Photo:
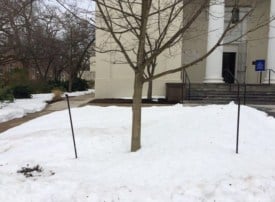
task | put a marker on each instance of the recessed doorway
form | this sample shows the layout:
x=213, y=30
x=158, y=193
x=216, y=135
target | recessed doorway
x=229, y=66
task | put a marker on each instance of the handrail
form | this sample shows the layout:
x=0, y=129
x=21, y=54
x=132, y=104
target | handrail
x=184, y=79
x=239, y=108
x=236, y=80
x=238, y=84
x=269, y=70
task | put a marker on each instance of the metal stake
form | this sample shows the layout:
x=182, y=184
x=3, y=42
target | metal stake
x=238, y=126
x=67, y=98
x=269, y=76
x=261, y=77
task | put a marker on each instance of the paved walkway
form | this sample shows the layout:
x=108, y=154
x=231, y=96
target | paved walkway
x=82, y=100
x=77, y=101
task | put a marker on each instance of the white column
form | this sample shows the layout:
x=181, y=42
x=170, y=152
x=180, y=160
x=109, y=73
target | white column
x=213, y=72
x=270, y=64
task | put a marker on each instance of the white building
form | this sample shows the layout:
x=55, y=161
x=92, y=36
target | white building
x=114, y=79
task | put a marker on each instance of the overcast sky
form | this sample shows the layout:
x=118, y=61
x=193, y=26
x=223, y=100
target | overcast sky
x=84, y=5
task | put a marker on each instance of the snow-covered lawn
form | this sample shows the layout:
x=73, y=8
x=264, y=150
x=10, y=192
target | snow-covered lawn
x=21, y=107
x=187, y=155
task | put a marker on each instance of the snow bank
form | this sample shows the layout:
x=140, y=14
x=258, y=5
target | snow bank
x=20, y=107
x=188, y=154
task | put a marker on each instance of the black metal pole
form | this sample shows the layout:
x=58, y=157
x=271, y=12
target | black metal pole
x=244, y=97
x=238, y=126
x=260, y=77
x=269, y=76
x=67, y=98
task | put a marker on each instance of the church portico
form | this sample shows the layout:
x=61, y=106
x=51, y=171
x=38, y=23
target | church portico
x=236, y=53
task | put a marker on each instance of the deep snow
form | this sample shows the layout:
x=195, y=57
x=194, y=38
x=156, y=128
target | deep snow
x=187, y=154
x=21, y=107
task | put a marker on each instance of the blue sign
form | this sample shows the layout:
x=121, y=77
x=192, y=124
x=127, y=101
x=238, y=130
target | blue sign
x=260, y=65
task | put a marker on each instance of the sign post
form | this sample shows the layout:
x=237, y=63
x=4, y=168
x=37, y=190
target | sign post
x=259, y=67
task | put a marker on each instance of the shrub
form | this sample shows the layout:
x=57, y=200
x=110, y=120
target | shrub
x=57, y=94
x=91, y=84
x=6, y=94
x=54, y=84
x=17, y=77
x=2, y=80
x=78, y=85
x=37, y=86
x=21, y=91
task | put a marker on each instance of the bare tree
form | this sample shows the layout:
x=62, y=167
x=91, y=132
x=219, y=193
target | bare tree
x=29, y=36
x=13, y=15
x=44, y=39
x=79, y=37
x=154, y=27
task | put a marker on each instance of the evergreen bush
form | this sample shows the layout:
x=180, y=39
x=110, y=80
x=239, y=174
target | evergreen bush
x=55, y=84
x=6, y=94
x=78, y=85
x=21, y=91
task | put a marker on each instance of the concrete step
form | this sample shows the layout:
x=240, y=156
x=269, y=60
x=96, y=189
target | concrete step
x=222, y=93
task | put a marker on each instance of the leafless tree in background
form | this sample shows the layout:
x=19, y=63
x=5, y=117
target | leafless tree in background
x=79, y=37
x=41, y=38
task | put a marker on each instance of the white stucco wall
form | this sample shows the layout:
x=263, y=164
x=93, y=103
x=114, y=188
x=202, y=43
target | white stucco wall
x=114, y=78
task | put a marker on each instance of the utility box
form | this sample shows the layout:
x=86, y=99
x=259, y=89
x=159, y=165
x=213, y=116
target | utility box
x=175, y=92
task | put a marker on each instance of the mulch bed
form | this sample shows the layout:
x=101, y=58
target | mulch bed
x=160, y=101
x=54, y=100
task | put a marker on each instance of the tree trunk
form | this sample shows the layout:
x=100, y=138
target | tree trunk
x=70, y=83
x=136, y=112
x=150, y=90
